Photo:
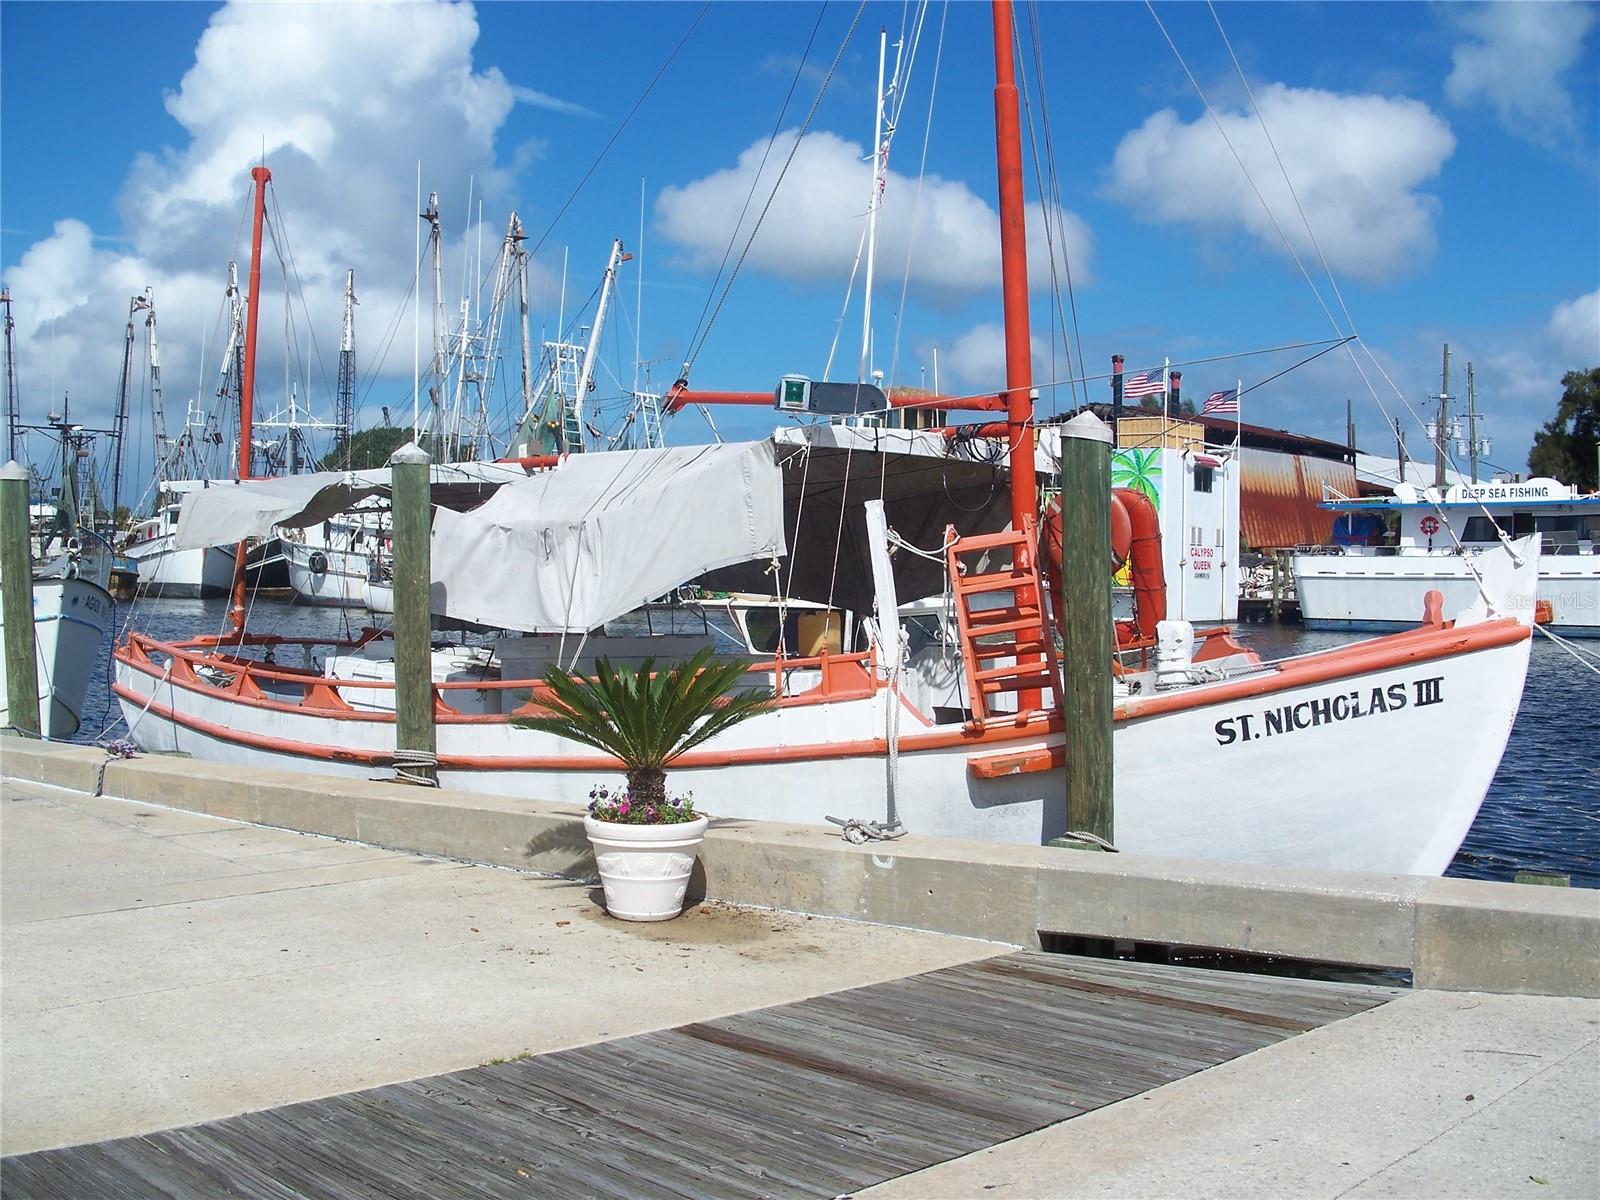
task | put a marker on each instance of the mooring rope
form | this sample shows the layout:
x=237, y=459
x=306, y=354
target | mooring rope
x=408, y=762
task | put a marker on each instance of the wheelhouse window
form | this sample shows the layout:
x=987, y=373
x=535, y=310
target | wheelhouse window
x=1202, y=477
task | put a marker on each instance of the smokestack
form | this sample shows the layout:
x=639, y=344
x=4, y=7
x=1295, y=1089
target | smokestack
x=1116, y=386
x=1176, y=383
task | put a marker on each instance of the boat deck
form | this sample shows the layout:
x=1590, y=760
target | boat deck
x=815, y=1098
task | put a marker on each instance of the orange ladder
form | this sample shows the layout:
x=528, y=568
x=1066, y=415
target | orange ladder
x=1015, y=629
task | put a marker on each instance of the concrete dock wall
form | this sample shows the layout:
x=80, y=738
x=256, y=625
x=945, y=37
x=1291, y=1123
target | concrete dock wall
x=1452, y=934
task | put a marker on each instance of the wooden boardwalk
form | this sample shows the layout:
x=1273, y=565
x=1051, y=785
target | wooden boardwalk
x=816, y=1098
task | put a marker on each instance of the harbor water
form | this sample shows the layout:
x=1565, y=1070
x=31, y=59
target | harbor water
x=1542, y=812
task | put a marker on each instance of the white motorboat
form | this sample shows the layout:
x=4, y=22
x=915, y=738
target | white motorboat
x=1374, y=579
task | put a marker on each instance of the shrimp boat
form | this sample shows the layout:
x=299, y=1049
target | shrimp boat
x=1311, y=761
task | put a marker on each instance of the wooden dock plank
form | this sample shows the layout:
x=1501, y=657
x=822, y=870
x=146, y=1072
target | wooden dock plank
x=812, y=1099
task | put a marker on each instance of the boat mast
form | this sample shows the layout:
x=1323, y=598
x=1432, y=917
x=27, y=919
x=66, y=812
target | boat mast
x=436, y=389
x=522, y=312
x=880, y=164
x=347, y=372
x=586, y=371
x=247, y=378
x=1014, y=273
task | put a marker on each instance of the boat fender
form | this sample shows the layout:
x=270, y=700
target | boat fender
x=318, y=562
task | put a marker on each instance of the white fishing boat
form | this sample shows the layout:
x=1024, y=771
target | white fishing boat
x=1374, y=579
x=1327, y=741
x=72, y=605
x=329, y=564
x=71, y=610
x=71, y=566
x=166, y=570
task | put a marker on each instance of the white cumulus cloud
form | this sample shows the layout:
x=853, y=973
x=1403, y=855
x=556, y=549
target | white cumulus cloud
x=1514, y=61
x=1575, y=331
x=974, y=362
x=816, y=221
x=1357, y=163
x=342, y=101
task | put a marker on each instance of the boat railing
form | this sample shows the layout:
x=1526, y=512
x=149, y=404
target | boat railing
x=208, y=663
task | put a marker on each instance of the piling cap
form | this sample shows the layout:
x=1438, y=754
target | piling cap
x=1088, y=427
x=409, y=453
x=13, y=470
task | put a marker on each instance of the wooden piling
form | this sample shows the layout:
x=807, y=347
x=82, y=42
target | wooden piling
x=16, y=580
x=413, y=643
x=1086, y=602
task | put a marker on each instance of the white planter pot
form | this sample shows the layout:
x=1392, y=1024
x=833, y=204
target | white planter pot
x=645, y=868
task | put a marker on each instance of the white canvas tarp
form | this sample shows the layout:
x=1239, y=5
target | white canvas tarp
x=226, y=511
x=570, y=549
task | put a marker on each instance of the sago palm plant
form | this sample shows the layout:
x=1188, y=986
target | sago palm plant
x=646, y=717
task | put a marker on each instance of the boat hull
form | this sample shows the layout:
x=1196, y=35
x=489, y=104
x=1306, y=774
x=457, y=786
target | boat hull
x=166, y=572
x=1234, y=771
x=70, y=617
x=1381, y=592
x=326, y=577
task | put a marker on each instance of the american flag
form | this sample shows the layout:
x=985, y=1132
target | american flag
x=1135, y=386
x=1221, y=402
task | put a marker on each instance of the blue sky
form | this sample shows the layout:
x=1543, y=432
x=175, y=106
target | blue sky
x=1445, y=157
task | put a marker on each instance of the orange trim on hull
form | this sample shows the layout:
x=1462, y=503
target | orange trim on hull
x=1028, y=762
x=1399, y=650
x=953, y=737
x=1402, y=649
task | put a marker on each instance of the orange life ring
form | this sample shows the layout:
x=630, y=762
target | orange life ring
x=1429, y=525
x=1136, y=540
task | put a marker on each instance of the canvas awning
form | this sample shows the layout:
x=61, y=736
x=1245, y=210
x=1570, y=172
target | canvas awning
x=228, y=511
x=831, y=471
x=570, y=549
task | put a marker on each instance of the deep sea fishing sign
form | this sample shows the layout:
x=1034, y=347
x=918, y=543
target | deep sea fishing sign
x=1352, y=705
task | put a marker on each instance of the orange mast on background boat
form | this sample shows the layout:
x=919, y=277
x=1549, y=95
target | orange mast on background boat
x=247, y=378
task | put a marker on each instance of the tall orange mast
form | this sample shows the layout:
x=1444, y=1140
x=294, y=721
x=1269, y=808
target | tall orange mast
x=247, y=380
x=1014, y=273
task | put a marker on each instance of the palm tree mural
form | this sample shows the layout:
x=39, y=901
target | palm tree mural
x=1139, y=469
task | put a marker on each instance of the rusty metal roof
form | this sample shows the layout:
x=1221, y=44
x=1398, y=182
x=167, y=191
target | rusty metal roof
x=1279, y=494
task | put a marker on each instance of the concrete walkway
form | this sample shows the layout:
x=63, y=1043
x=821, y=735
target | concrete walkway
x=162, y=968
x=1437, y=1094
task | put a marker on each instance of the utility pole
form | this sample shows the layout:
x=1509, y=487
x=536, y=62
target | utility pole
x=1441, y=429
x=1472, y=423
x=12, y=417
